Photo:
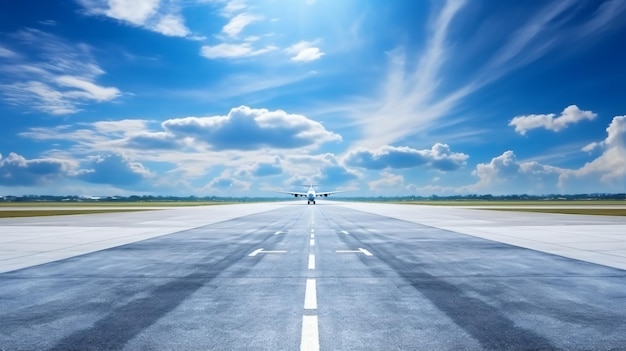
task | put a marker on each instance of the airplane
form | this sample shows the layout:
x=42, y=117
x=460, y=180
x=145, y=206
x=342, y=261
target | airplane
x=310, y=194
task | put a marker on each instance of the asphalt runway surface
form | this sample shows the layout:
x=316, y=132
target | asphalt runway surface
x=323, y=277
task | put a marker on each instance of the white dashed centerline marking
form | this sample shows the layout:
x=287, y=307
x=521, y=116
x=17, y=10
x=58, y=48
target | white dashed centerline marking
x=310, y=340
x=310, y=295
x=312, y=242
x=311, y=261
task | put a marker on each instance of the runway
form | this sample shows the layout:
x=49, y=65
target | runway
x=334, y=276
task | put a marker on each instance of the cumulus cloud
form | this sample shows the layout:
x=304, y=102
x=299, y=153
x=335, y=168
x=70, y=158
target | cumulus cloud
x=439, y=157
x=304, y=51
x=136, y=12
x=245, y=128
x=114, y=170
x=58, y=80
x=505, y=172
x=570, y=115
x=154, y=15
x=16, y=170
x=610, y=166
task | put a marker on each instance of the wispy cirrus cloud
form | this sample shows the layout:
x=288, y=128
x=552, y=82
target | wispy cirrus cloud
x=238, y=23
x=52, y=75
x=230, y=45
x=416, y=93
x=230, y=51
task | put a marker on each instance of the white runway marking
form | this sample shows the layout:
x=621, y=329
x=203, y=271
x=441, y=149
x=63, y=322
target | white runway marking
x=346, y=233
x=255, y=252
x=312, y=230
x=279, y=232
x=367, y=253
x=310, y=340
x=310, y=295
x=311, y=261
x=312, y=236
x=312, y=242
x=258, y=251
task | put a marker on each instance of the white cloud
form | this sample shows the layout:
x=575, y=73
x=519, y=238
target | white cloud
x=304, y=51
x=245, y=128
x=610, y=166
x=504, y=174
x=155, y=15
x=570, y=115
x=16, y=170
x=172, y=25
x=58, y=80
x=409, y=100
x=136, y=12
x=438, y=157
x=86, y=89
x=607, y=173
x=113, y=169
x=224, y=50
x=238, y=23
x=233, y=7
x=416, y=97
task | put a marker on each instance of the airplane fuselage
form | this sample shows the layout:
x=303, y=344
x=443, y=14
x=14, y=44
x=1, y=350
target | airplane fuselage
x=310, y=196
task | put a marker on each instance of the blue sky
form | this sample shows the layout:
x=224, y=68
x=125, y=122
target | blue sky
x=237, y=98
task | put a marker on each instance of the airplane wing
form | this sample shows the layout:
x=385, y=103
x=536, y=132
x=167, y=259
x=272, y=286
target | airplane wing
x=294, y=193
x=326, y=193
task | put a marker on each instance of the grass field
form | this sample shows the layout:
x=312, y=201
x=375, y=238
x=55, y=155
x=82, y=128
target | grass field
x=518, y=203
x=49, y=208
x=582, y=211
x=582, y=207
x=60, y=212
x=112, y=204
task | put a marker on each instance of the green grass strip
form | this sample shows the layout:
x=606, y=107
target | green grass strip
x=37, y=213
x=112, y=204
x=516, y=203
